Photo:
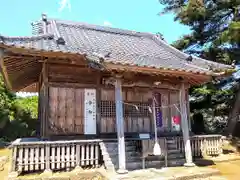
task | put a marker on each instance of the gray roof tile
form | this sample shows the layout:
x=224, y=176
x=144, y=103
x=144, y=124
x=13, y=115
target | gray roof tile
x=122, y=46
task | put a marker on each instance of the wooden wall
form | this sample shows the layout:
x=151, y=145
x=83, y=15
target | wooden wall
x=61, y=105
x=72, y=74
x=66, y=110
x=135, y=122
x=62, y=98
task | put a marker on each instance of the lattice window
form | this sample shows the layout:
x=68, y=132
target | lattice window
x=107, y=109
x=130, y=109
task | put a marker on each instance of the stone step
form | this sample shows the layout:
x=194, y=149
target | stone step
x=115, y=152
x=169, y=157
x=129, y=160
x=171, y=141
x=127, y=154
x=172, y=146
x=176, y=162
x=138, y=165
x=152, y=164
x=174, y=151
x=115, y=144
x=115, y=148
x=176, y=156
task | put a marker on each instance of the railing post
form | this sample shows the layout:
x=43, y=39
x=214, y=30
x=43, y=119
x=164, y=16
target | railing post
x=13, y=173
x=47, y=159
x=221, y=145
x=166, y=152
x=78, y=150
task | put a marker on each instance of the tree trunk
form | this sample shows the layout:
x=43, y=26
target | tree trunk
x=234, y=115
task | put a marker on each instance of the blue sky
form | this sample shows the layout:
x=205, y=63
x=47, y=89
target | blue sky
x=138, y=15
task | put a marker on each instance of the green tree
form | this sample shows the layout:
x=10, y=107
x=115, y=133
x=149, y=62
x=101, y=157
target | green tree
x=18, y=116
x=215, y=35
x=6, y=101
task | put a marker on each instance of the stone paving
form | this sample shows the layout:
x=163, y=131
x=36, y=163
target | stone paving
x=180, y=173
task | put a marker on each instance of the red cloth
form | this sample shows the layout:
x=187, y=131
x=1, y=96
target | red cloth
x=176, y=119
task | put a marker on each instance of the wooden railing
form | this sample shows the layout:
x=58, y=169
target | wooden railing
x=203, y=145
x=33, y=156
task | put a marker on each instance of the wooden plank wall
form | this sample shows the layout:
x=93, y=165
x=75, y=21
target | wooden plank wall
x=138, y=124
x=66, y=110
x=41, y=112
x=108, y=124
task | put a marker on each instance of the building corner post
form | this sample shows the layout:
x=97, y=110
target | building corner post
x=120, y=126
x=3, y=69
x=185, y=127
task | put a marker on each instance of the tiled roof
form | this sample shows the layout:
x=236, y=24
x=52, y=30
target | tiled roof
x=115, y=45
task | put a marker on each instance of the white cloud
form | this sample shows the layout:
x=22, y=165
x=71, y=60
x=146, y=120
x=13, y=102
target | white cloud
x=107, y=23
x=64, y=4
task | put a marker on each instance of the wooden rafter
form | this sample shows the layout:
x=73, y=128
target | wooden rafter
x=193, y=78
x=3, y=70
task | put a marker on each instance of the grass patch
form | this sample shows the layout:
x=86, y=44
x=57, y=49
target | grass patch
x=5, y=152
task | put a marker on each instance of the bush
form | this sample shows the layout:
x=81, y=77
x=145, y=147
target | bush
x=18, y=116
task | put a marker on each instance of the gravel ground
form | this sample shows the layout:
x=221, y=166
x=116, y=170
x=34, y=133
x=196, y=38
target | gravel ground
x=212, y=178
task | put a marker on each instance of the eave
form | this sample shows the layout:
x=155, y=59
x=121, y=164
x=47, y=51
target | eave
x=192, y=77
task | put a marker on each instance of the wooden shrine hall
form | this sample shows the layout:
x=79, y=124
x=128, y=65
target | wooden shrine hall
x=102, y=91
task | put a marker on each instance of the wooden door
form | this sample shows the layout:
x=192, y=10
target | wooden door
x=66, y=111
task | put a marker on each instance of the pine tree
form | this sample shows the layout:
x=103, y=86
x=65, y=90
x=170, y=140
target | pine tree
x=215, y=35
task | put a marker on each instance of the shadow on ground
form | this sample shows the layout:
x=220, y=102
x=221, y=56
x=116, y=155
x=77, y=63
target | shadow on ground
x=235, y=142
x=204, y=162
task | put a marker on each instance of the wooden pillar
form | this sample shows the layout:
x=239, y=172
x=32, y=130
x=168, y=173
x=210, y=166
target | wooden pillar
x=120, y=126
x=4, y=70
x=185, y=127
x=188, y=110
x=98, y=100
x=45, y=102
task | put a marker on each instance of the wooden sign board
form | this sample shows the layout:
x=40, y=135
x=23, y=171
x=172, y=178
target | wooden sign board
x=90, y=111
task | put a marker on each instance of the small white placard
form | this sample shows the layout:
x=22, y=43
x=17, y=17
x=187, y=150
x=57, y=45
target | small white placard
x=144, y=136
x=90, y=111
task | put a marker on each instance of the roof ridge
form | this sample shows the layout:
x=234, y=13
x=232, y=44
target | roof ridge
x=102, y=28
x=34, y=37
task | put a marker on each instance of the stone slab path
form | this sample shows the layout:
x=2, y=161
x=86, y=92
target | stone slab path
x=178, y=173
